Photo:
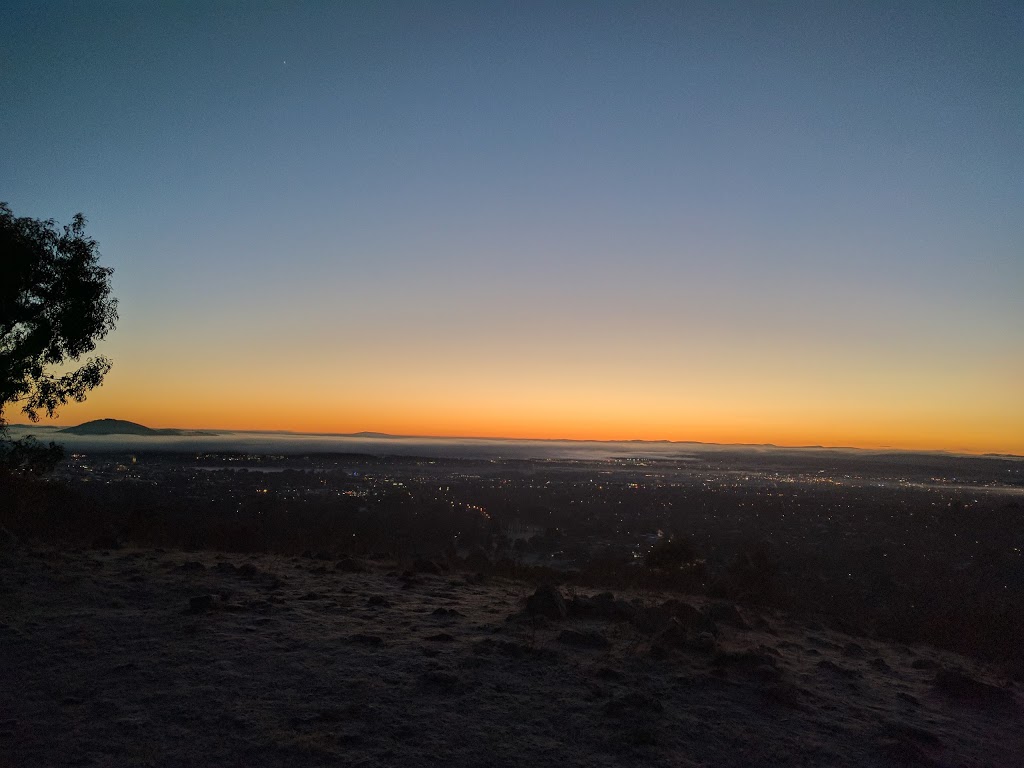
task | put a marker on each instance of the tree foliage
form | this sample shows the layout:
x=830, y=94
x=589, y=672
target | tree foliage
x=55, y=304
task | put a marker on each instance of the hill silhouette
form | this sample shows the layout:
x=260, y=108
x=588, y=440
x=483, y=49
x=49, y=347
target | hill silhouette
x=122, y=427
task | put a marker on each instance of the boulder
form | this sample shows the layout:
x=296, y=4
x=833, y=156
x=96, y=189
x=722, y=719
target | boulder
x=837, y=669
x=704, y=642
x=445, y=612
x=248, y=571
x=689, y=616
x=633, y=704
x=582, y=607
x=958, y=685
x=440, y=680
x=365, y=639
x=547, y=601
x=853, y=650
x=622, y=611
x=676, y=635
x=408, y=579
x=651, y=620
x=107, y=541
x=722, y=612
x=583, y=639
x=441, y=637
x=200, y=603
x=427, y=566
x=746, y=660
x=348, y=565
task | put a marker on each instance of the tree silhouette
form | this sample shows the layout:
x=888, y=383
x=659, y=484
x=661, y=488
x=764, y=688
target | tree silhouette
x=55, y=304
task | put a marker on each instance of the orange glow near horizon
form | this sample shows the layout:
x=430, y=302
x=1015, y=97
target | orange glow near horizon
x=825, y=410
x=556, y=378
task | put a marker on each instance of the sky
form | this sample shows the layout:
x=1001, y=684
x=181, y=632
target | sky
x=797, y=222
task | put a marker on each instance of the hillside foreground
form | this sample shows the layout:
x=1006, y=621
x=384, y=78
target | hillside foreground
x=165, y=658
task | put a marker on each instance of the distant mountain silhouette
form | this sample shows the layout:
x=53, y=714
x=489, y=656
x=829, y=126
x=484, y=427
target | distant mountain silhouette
x=121, y=427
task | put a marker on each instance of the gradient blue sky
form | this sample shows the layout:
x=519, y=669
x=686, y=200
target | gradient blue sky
x=739, y=221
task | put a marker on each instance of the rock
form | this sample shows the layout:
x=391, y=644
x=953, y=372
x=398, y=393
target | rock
x=409, y=579
x=348, y=565
x=445, y=612
x=853, y=650
x=583, y=639
x=622, y=611
x=830, y=666
x=440, y=637
x=604, y=606
x=651, y=620
x=782, y=691
x=547, y=601
x=484, y=647
x=689, y=616
x=378, y=601
x=704, y=642
x=535, y=621
x=904, y=752
x=924, y=664
x=654, y=620
x=958, y=685
x=248, y=571
x=226, y=568
x=746, y=660
x=440, y=680
x=722, y=612
x=675, y=635
x=191, y=565
x=365, y=639
x=880, y=664
x=608, y=673
x=905, y=732
x=427, y=566
x=200, y=603
x=349, y=740
x=633, y=704
x=108, y=541
x=582, y=607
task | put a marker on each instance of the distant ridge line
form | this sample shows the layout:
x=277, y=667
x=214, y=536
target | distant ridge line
x=107, y=426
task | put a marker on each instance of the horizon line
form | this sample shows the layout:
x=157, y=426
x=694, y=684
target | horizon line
x=370, y=434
